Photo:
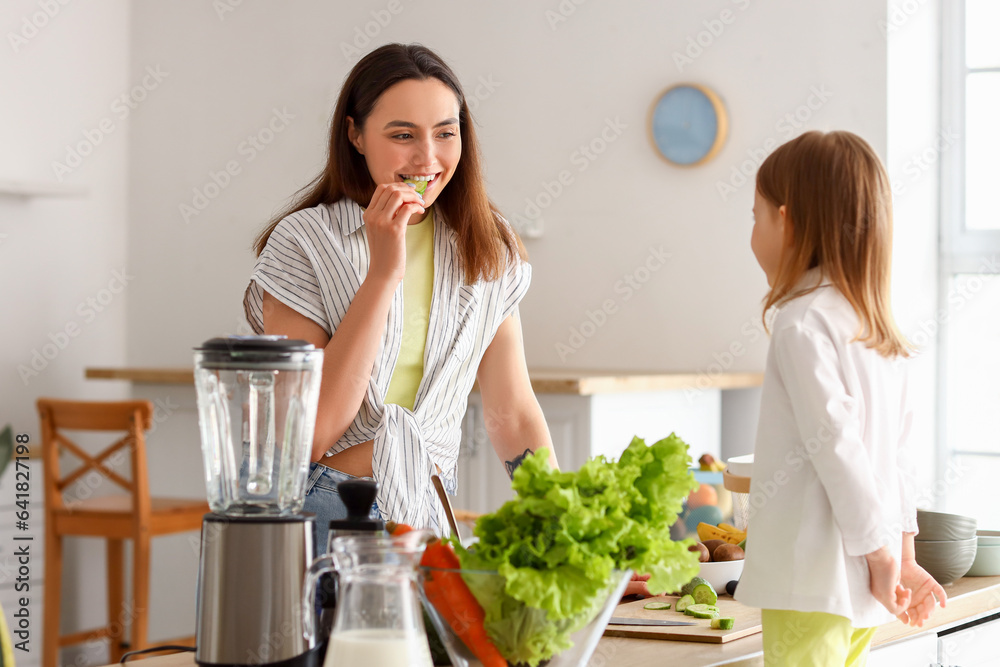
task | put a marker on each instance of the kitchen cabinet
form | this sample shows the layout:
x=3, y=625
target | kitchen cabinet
x=972, y=644
x=483, y=484
x=919, y=651
x=591, y=414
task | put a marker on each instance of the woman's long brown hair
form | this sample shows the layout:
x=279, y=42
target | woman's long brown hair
x=839, y=204
x=485, y=241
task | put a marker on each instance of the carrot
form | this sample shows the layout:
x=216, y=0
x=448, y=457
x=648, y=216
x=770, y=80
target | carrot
x=394, y=528
x=450, y=595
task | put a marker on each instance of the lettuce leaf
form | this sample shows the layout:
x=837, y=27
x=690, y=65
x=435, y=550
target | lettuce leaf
x=557, y=543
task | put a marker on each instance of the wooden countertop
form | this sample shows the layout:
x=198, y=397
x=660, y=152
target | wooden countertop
x=543, y=381
x=968, y=598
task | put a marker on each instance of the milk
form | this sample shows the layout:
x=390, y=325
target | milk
x=384, y=648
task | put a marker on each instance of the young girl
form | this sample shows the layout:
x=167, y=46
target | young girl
x=397, y=264
x=830, y=542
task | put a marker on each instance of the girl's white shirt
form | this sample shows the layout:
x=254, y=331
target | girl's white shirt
x=831, y=481
x=314, y=261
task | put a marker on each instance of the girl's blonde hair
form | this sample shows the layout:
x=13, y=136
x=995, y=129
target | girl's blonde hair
x=839, y=204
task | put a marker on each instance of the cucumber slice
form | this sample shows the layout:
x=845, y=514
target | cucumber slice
x=688, y=588
x=693, y=609
x=419, y=186
x=656, y=606
x=705, y=594
x=724, y=623
x=683, y=603
x=702, y=611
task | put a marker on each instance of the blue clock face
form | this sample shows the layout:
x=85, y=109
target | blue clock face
x=685, y=125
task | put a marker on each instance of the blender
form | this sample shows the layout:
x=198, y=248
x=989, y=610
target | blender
x=257, y=399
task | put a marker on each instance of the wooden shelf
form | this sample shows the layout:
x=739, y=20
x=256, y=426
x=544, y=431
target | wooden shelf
x=588, y=383
x=148, y=375
x=578, y=383
x=40, y=189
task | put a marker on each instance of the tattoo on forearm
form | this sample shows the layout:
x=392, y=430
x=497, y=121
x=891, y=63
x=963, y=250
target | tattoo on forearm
x=515, y=462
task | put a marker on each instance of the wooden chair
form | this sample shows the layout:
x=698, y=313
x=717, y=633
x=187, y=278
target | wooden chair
x=132, y=515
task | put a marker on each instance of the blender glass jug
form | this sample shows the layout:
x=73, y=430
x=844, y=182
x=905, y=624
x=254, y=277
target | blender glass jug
x=257, y=398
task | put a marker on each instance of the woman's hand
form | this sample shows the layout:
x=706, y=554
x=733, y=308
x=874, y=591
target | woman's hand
x=386, y=219
x=884, y=581
x=925, y=589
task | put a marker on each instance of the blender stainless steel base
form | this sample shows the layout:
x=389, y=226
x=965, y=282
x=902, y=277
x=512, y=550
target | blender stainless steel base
x=250, y=579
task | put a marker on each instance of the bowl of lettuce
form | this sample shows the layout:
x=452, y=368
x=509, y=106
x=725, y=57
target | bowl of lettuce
x=522, y=634
x=550, y=565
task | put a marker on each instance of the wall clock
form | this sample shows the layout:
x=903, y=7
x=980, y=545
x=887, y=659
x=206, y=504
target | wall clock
x=688, y=124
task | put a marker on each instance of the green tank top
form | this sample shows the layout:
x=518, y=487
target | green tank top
x=418, y=284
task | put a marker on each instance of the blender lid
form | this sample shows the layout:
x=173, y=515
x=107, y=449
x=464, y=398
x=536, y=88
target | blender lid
x=242, y=352
x=276, y=344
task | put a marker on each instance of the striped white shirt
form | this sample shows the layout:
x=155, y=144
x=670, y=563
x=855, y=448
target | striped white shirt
x=314, y=261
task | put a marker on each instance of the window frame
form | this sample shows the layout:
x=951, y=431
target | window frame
x=960, y=250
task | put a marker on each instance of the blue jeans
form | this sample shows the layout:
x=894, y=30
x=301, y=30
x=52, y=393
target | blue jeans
x=323, y=500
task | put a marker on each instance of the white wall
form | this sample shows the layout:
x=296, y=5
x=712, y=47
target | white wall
x=62, y=71
x=545, y=91
x=913, y=33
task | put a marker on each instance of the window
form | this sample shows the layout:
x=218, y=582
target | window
x=969, y=465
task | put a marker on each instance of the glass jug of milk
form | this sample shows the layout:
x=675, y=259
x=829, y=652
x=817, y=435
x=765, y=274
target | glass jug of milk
x=378, y=619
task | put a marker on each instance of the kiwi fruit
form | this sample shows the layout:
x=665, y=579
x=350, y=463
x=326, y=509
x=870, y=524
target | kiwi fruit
x=712, y=545
x=728, y=552
x=703, y=554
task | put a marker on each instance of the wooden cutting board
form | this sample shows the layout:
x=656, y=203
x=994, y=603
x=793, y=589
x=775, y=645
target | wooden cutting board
x=747, y=622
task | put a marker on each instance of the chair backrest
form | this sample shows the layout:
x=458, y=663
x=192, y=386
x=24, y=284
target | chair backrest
x=133, y=418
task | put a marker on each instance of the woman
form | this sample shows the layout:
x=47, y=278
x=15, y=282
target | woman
x=412, y=297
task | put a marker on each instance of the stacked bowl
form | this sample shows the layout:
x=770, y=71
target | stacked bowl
x=945, y=545
x=987, y=563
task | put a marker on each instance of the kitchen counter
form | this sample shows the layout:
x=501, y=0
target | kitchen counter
x=968, y=599
x=543, y=381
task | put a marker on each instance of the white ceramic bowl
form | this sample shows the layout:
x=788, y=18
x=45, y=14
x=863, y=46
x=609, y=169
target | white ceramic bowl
x=988, y=538
x=721, y=573
x=946, y=560
x=987, y=563
x=941, y=527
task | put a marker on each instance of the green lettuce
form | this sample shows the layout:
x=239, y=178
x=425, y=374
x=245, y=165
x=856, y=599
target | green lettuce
x=557, y=543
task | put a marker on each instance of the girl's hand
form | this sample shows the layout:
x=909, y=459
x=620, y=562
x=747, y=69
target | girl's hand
x=925, y=590
x=884, y=582
x=386, y=218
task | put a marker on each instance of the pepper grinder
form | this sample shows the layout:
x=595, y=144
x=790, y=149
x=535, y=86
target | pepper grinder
x=358, y=496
